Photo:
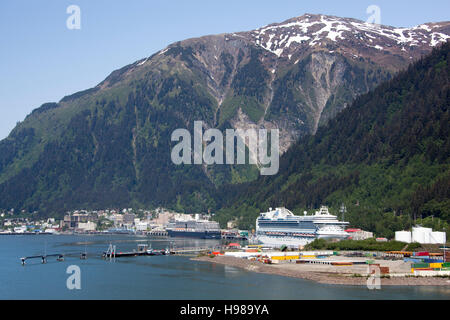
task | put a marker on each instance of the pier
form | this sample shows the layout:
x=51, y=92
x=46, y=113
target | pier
x=25, y=233
x=158, y=233
x=143, y=250
x=112, y=253
x=60, y=257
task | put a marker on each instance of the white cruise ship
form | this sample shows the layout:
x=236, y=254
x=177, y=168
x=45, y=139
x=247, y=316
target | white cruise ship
x=193, y=227
x=281, y=227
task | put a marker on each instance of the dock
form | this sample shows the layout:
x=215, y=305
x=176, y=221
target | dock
x=142, y=250
x=25, y=233
x=190, y=250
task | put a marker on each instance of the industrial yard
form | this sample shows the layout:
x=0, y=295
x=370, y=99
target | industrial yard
x=342, y=268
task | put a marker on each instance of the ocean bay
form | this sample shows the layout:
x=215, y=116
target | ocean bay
x=158, y=277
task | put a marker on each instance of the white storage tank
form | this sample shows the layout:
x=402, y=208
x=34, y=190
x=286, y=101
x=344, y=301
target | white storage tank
x=421, y=235
x=403, y=236
x=438, y=237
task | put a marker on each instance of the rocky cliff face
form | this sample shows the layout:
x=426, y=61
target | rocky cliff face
x=293, y=75
x=114, y=139
x=297, y=74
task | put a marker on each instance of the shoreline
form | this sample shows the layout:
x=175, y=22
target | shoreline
x=291, y=270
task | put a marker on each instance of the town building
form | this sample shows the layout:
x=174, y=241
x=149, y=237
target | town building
x=72, y=220
x=358, y=234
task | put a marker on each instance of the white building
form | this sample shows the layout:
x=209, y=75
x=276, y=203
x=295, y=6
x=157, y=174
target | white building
x=116, y=218
x=87, y=226
x=141, y=226
x=358, y=234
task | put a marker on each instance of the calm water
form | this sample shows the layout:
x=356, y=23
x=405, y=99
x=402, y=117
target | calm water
x=157, y=277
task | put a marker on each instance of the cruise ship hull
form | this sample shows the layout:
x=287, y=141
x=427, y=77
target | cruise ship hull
x=283, y=241
x=195, y=234
x=293, y=242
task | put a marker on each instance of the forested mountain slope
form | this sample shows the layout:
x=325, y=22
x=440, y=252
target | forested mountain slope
x=109, y=146
x=386, y=158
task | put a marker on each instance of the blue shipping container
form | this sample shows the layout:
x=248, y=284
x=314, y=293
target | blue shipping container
x=433, y=261
x=412, y=260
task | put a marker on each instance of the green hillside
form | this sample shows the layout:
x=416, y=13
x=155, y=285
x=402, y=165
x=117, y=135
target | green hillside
x=386, y=158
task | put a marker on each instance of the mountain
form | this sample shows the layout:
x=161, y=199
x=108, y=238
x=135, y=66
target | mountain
x=386, y=157
x=109, y=146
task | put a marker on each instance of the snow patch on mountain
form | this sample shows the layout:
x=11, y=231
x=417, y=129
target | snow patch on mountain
x=316, y=30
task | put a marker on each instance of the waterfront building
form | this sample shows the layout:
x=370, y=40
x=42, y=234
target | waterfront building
x=72, y=220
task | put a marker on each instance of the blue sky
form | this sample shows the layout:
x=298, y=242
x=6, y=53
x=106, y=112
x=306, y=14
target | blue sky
x=41, y=60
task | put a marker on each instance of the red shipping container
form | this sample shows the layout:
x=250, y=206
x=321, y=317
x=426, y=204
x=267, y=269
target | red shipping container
x=384, y=270
x=421, y=254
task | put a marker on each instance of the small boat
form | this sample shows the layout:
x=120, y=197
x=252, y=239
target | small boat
x=152, y=252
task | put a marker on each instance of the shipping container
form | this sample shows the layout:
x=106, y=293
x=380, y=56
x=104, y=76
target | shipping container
x=341, y=264
x=433, y=261
x=285, y=257
x=420, y=265
x=436, y=254
x=446, y=265
x=436, y=265
x=412, y=260
x=384, y=270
